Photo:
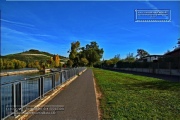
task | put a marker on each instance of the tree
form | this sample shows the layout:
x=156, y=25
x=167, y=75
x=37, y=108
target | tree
x=141, y=53
x=178, y=42
x=56, y=60
x=129, y=58
x=12, y=64
x=109, y=62
x=70, y=63
x=1, y=64
x=167, y=52
x=115, y=59
x=93, y=53
x=84, y=61
x=85, y=55
x=73, y=53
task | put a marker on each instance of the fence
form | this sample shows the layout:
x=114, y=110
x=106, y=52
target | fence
x=158, y=65
x=162, y=67
x=165, y=62
x=18, y=94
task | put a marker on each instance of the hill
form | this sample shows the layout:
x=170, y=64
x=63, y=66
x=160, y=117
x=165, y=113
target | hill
x=33, y=55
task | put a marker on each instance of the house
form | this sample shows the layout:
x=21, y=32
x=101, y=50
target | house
x=150, y=58
x=175, y=52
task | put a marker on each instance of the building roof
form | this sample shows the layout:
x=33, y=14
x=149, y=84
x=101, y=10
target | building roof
x=148, y=56
x=152, y=56
x=175, y=50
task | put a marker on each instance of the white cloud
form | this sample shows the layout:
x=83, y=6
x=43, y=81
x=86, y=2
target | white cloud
x=151, y=5
x=154, y=7
x=7, y=31
x=16, y=41
x=14, y=35
x=174, y=24
x=17, y=23
x=127, y=29
x=135, y=32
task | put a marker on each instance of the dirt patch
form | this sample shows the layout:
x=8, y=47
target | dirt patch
x=98, y=98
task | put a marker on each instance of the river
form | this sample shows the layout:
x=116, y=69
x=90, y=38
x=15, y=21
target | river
x=5, y=79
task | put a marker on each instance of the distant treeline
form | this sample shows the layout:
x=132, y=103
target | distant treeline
x=40, y=64
x=166, y=62
x=12, y=64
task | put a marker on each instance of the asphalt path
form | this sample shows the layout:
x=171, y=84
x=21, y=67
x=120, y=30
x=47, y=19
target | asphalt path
x=78, y=99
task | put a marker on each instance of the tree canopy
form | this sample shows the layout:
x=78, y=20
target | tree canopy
x=178, y=42
x=73, y=56
x=115, y=59
x=141, y=53
x=88, y=55
x=130, y=58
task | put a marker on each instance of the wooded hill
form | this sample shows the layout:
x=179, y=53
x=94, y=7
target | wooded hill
x=32, y=55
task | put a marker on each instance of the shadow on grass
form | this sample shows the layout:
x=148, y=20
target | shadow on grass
x=155, y=85
x=159, y=76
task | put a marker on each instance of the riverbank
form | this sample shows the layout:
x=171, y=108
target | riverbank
x=17, y=72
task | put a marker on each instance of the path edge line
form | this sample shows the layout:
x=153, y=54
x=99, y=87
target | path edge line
x=98, y=95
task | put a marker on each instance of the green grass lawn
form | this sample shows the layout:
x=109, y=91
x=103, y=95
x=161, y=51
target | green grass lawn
x=128, y=96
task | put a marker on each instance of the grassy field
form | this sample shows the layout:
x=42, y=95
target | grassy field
x=128, y=96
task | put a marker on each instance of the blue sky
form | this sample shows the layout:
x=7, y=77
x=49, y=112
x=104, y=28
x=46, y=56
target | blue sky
x=53, y=26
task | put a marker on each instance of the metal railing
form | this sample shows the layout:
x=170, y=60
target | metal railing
x=18, y=94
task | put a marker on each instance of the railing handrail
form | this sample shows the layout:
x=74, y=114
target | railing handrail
x=28, y=78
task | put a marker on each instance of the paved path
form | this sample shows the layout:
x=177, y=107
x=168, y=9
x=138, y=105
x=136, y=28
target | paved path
x=79, y=101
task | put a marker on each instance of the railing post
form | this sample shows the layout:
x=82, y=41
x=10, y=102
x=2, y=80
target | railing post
x=41, y=87
x=19, y=96
x=53, y=81
x=75, y=71
x=66, y=75
x=69, y=74
x=14, y=98
x=78, y=71
x=0, y=103
x=61, y=77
